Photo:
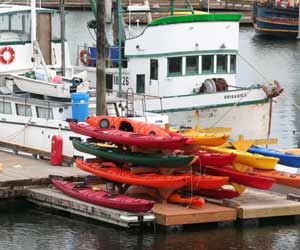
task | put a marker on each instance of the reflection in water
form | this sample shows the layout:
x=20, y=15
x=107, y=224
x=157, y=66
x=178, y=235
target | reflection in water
x=31, y=229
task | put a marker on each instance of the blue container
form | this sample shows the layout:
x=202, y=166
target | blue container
x=114, y=55
x=80, y=106
x=93, y=52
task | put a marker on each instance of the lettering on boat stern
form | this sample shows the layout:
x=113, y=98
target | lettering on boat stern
x=235, y=96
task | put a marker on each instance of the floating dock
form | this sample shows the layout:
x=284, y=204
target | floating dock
x=25, y=176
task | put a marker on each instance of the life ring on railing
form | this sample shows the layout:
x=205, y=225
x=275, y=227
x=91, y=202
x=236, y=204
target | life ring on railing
x=7, y=55
x=85, y=57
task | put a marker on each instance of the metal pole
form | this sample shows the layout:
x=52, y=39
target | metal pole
x=100, y=65
x=298, y=37
x=62, y=35
x=172, y=7
x=120, y=38
x=33, y=32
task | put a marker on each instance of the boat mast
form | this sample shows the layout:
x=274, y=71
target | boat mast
x=33, y=31
x=100, y=64
x=120, y=37
x=62, y=36
x=298, y=37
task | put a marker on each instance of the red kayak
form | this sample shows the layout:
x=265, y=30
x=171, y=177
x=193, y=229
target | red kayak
x=128, y=138
x=102, y=198
x=217, y=193
x=116, y=174
x=214, y=159
x=247, y=179
x=205, y=181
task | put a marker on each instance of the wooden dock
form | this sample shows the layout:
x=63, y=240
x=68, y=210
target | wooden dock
x=25, y=176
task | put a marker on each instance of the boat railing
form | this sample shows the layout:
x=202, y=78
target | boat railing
x=87, y=56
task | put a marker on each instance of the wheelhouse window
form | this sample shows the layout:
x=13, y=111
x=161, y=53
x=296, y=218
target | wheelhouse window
x=23, y=110
x=153, y=69
x=232, y=63
x=175, y=66
x=5, y=108
x=192, y=63
x=43, y=112
x=221, y=63
x=207, y=64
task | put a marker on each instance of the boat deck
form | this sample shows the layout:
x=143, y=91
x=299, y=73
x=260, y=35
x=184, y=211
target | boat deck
x=28, y=177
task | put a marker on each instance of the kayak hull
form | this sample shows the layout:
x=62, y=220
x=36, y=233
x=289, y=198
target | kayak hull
x=102, y=198
x=136, y=158
x=217, y=193
x=214, y=159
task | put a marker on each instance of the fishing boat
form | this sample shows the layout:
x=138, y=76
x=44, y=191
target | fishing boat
x=243, y=178
x=193, y=77
x=276, y=18
x=285, y=158
x=136, y=158
x=98, y=197
x=252, y=160
x=116, y=174
x=128, y=138
x=29, y=113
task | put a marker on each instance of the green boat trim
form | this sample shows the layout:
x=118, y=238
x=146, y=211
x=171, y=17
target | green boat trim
x=115, y=154
x=196, y=18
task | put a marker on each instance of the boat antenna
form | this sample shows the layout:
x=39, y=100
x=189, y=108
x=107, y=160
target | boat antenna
x=33, y=32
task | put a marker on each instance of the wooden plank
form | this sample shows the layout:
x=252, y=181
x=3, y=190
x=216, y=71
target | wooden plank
x=55, y=199
x=31, y=150
x=258, y=204
x=171, y=214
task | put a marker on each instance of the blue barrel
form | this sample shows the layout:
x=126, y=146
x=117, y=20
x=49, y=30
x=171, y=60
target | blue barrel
x=114, y=55
x=93, y=52
x=80, y=106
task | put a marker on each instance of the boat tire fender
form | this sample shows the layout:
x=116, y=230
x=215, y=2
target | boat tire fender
x=85, y=57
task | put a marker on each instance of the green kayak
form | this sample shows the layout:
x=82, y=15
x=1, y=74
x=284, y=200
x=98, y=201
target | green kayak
x=115, y=154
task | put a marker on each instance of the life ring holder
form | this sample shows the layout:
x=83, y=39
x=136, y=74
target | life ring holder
x=11, y=57
x=85, y=57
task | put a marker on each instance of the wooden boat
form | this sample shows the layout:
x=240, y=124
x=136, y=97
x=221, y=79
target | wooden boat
x=205, y=139
x=116, y=174
x=253, y=160
x=126, y=124
x=197, y=181
x=119, y=155
x=285, y=158
x=219, y=193
x=102, y=198
x=214, y=159
x=128, y=138
x=247, y=179
x=280, y=177
x=186, y=200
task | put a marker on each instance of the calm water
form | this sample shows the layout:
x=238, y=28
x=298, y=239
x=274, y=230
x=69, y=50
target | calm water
x=25, y=228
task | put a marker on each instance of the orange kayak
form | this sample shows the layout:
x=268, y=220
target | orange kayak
x=126, y=124
x=192, y=200
x=280, y=177
x=205, y=181
x=113, y=173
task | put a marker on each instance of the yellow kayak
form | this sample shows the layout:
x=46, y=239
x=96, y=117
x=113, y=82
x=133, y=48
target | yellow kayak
x=252, y=160
x=205, y=139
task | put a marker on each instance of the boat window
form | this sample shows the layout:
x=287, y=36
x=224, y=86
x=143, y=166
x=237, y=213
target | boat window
x=232, y=63
x=43, y=112
x=153, y=69
x=23, y=110
x=15, y=28
x=221, y=63
x=207, y=64
x=5, y=108
x=192, y=63
x=174, y=66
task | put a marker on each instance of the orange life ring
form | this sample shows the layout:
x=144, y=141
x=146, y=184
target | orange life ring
x=7, y=55
x=85, y=57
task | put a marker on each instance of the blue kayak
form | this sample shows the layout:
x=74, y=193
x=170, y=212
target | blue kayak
x=287, y=159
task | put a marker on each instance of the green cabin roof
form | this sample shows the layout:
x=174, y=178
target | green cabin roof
x=196, y=18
